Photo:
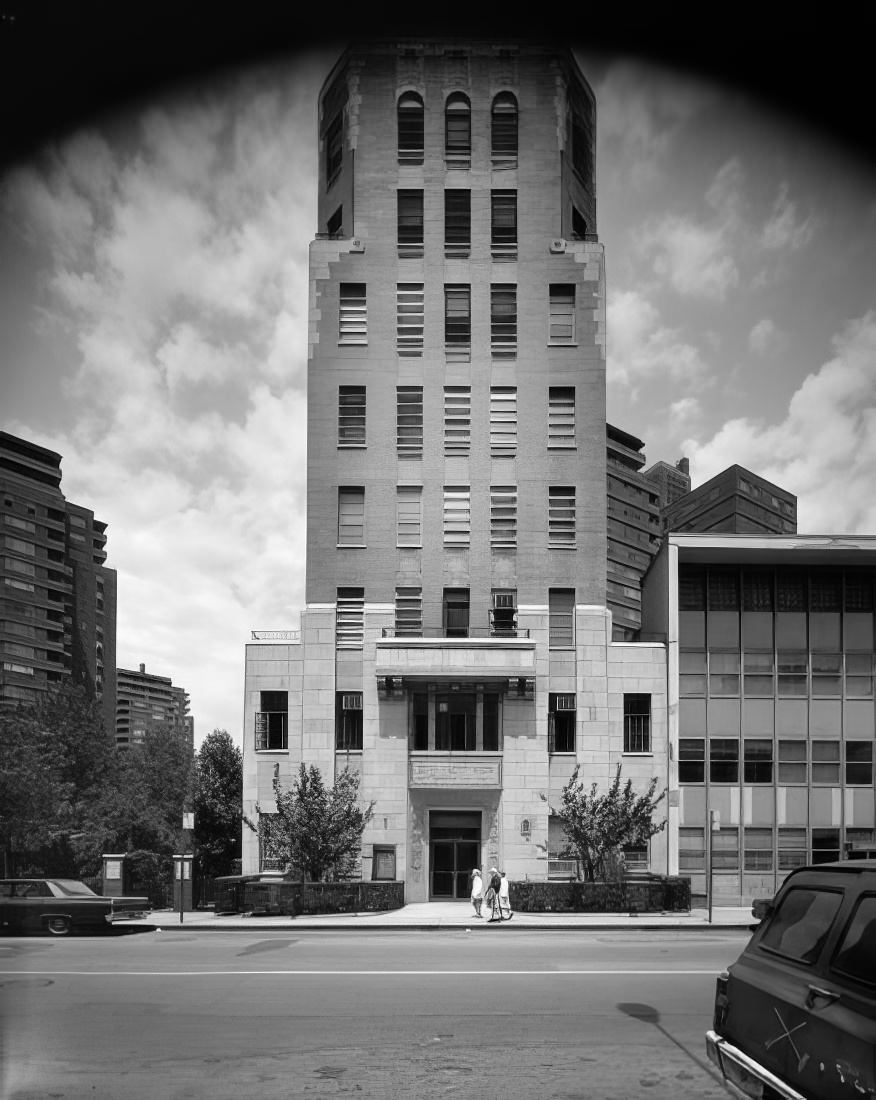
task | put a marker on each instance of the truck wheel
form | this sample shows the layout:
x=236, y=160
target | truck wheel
x=58, y=926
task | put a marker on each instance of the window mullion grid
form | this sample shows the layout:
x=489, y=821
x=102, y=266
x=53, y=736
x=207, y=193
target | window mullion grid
x=409, y=419
x=561, y=515
x=503, y=420
x=503, y=516
x=457, y=516
x=503, y=321
x=409, y=318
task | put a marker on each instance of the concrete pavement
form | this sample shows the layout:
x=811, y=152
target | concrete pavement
x=450, y=915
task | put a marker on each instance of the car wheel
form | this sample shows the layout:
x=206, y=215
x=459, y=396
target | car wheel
x=58, y=926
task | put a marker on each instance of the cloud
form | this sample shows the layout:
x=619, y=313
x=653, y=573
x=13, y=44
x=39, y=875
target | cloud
x=685, y=411
x=640, y=347
x=784, y=229
x=765, y=337
x=824, y=450
x=176, y=262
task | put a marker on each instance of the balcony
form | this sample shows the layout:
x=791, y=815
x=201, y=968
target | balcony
x=435, y=656
x=444, y=770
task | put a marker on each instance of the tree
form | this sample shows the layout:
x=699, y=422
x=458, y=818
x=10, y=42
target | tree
x=55, y=756
x=598, y=825
x=317, y=831
x=218, y=803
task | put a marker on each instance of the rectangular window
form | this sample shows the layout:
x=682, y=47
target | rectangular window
x=793, y=673
x=792, y=762
x=456, y=722
x=825, y=845
x=562, y=713
x=409, y=612
x=757, y=671
x=503, y=225
x=409, y=318
x=561, y=416
x=419, y=715
x=691, y=849
x=757, y=764
x=16, y=566
x=351, y=416
x=562, y=318
x=334, y=148
x=19, y=546
x=691, y=760
x=792, y=848
x=561, y=617
x=503, y=613
x=457, y=320
x=859, y=675
x=723, y=760
x=457, y=515
x=350, y=618
x=691, y=673
x=348, y=721
x=457, y=223
x=503, y=516
x=457, y=420
x=335, y=225
x=826, y=762
x=383, y=863
x=409, y=515
x=503, y=420
x=827, y=673
x=271, y=721
x=561, y=516
x=725, y=849
x=351, y=515
x=859, y=763
x=637, y=723
x=409, y=419
x=410, y=223
x=757, y=849
x=353, y=314
x=503, y=320
x=455, y=612
x=491, y=731
x=723, y=673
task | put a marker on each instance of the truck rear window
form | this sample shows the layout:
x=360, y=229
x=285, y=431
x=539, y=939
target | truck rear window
x=802, y=922
x=856, y=955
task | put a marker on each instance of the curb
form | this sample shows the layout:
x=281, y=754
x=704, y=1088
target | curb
x=291, y=926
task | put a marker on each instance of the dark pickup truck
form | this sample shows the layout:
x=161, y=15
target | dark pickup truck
x=58, y=905
x=795, y=1015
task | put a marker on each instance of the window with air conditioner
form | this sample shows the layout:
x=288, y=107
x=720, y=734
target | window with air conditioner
x=503, y=613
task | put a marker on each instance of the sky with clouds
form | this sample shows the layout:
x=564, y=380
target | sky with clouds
x=153, y=306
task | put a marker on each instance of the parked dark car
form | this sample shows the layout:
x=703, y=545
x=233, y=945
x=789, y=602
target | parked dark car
x=795, y=1015
x=58, y=905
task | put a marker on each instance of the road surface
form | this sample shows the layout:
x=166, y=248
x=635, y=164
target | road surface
x=391, y=1014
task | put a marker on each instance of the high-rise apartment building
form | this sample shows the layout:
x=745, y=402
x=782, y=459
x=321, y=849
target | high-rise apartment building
x=456, y=648
x=734, y=501
x=145, y=701
x=58, y=610
x=672, y=481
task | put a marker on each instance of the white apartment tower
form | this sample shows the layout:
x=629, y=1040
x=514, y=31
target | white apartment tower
x=455, y=646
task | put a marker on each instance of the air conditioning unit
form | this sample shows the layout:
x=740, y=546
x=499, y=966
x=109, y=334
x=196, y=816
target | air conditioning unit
x=504, y=601
x=353, y=701
x=558, y=245
x=565, y=702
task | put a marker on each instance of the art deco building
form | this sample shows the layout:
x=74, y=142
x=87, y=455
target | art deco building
x=456, y=646
x=145, y=701
x=58, y=600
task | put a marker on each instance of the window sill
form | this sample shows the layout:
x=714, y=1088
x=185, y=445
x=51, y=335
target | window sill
x=351, y=546
x=561, y=752
x=351, y=446
x=562, y=546
x=409, y=546
x=562, y=343
x=352, y=343
x=626, y=753
x=261, y=752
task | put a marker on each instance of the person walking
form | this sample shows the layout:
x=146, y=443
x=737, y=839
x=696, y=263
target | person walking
x=492, y=898
x=477, y=891
x=504, y=897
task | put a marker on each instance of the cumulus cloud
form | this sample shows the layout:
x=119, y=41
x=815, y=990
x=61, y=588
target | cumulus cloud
x=641, y=347
x=765, y=337
x=824, y=450
x=176, y=260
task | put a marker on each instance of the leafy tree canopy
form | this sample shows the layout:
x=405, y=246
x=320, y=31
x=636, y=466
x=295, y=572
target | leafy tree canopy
x=597, y=825
x=317, y=830
x=218, y=803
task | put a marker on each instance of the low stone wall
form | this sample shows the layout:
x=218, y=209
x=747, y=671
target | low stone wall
x=273, y=896
x=653, y=894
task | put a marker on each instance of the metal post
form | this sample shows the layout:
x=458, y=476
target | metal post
x=714, y=827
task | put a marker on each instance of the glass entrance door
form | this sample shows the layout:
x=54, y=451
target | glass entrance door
x=454, y=844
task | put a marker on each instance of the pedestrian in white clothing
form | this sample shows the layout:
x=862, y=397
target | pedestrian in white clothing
x=505, y=897
x=477, y=891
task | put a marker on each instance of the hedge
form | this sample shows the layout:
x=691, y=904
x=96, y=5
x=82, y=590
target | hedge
x=653, y=894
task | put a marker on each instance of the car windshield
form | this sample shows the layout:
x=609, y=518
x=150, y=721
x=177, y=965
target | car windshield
x=71, y=887
x=856, y=955
x=800, y=926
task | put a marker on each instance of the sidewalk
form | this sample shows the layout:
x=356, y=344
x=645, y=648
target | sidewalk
x=433, y=916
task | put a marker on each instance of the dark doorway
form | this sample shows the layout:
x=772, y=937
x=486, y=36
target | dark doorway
x=454, y=849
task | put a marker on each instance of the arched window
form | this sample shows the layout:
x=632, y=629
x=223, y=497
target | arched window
x=410, y=128
x=503, y=119
x=457, y=131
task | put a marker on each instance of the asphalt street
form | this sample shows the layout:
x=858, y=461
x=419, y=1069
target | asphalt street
x=385, y=1014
